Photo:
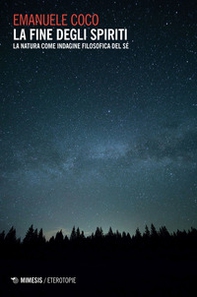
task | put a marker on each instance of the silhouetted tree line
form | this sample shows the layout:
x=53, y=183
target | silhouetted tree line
x=35, y=244
x=152, y=263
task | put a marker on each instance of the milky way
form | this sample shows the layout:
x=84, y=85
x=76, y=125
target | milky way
x=101, y=137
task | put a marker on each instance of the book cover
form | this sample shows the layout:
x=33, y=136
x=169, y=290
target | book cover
x=98, y=191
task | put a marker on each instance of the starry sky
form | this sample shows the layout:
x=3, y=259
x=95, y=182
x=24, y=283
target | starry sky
x=101, y=137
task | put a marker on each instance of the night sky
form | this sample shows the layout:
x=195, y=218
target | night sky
x=101, y=137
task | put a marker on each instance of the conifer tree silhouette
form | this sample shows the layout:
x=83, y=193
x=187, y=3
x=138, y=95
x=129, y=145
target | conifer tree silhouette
x=10, y=238
x=59, y=237
x=78, y=233
x=110, y=233
x=147, y=232
x=163, y=232
x=31, y=236
x=41, y=237
x=98, y=232
x=73, y=235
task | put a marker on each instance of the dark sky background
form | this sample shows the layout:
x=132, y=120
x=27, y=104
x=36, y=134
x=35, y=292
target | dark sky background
x=101, y=137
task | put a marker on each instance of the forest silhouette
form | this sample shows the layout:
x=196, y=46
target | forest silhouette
x=152, y=263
